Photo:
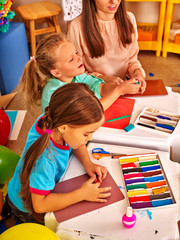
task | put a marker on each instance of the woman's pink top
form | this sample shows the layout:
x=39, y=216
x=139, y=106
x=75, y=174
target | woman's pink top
x=117, y=61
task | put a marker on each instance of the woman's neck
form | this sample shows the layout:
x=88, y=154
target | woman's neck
x=105, y=16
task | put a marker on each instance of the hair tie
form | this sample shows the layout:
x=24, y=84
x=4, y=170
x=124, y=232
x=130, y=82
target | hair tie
x=33, y=58
x=48, y=131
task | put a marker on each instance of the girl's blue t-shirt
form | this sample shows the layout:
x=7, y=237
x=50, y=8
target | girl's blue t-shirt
x=47, y=171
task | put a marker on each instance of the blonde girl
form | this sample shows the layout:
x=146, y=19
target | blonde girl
x=57, y=63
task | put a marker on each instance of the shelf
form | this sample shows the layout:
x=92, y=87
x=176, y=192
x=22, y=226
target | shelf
x=157, y=44
x=169, y=46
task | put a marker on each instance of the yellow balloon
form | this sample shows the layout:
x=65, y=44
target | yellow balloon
x=29, y=231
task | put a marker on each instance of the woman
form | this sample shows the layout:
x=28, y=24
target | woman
x=106, y=36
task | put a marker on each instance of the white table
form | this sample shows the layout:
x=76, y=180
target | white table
x=105, y=223
x=141, y=137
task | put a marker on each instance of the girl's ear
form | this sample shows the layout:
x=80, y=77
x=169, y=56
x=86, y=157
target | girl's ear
x=55, y=73
x=62, y=128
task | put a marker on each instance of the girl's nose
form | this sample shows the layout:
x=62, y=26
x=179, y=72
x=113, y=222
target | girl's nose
x=79, y=58
x=89, y=138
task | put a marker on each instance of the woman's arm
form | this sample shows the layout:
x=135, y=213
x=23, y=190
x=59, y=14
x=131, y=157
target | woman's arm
x=135, y=69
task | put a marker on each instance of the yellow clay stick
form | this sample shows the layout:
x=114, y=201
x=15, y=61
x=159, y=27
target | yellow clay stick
x=138, y=192
x=159, y=190
x=128, y=160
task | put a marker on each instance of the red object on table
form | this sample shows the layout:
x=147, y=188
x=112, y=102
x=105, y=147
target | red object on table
x=121, y=107
x=154, y=87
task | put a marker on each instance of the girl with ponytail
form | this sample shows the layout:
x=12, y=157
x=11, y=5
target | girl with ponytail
x=73, y=114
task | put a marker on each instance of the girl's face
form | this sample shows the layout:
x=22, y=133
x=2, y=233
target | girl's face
x=70, y=63
x=77, y=137
x=107, y=8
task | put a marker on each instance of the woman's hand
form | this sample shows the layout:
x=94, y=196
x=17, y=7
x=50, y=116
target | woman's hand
x=139, y=77
x=90, y=191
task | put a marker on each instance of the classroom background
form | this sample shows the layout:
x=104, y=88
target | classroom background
x=159, y=57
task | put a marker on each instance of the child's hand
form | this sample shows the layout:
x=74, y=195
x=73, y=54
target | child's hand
x=98, y=171
x=129, y=87
x=116, y=80
x=90, y=191
x=139, y=77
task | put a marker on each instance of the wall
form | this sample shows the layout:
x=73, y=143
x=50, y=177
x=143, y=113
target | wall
x=148, y=11
x=17, y=17
x=144, y=12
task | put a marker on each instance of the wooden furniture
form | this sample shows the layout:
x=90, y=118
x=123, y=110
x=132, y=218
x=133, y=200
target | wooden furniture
x=155, y=45
x=39, y=13
x=169, y=46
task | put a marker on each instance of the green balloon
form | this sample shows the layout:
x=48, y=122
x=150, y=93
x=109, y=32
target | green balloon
x=8, y=162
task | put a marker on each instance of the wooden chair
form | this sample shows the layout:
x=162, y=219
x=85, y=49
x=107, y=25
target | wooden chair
x=39, y=13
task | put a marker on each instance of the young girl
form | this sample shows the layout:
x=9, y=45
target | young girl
x=109, y=44
x=57, y=63
x=73, y=114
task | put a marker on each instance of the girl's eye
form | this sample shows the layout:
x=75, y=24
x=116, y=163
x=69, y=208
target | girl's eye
x=86, y=135
x=71, y=59
x=77, y=53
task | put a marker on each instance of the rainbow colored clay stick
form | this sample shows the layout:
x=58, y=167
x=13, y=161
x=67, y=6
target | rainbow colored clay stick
x=129, y=160
x=148, y=163
x=133, y=175
x=137, y=192
x=141, y=205
x=159, y=190
x=150, y=168
x=147, y=158
x=151, y=173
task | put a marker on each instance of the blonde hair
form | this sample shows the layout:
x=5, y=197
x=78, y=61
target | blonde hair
x=37, y=70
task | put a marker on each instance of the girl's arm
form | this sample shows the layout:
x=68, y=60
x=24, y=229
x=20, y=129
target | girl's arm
x=110, y=92
x=92, y=169
x=106, y=78
x=89, y=191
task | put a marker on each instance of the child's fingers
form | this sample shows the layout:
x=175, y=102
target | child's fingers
x=92, y=179
x=132, y=80
x=104, y=174
x=99, y=174
x=104, y=195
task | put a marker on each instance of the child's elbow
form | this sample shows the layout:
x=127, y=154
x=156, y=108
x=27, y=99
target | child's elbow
x=38, y=208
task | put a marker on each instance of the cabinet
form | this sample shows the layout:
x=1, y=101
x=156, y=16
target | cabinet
x=155, y=45
x=14, y=55
x=168, y=45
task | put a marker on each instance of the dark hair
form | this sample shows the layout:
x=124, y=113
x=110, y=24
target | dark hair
x=73, y=104
x=37, y=71
x=92, y=33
